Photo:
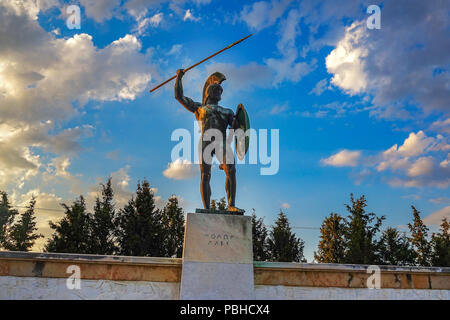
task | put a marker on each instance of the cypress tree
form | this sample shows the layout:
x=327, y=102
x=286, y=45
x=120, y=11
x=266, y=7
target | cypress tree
x=395, y=249
x=139, y=229
x=360, y=233
x=102, y=241
x=331, y=246
x=222, y=204
x=259, y=237
x=213, y=205
x=440, y=243
x=23, y=234
x=72, y=233
x=282, y=243
x=7, y=215
x=172, y=219
x=418, y=238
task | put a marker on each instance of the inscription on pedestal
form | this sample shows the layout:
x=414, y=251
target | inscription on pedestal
x=218, y=238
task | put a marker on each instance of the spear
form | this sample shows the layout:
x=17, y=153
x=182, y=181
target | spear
x=194, y=65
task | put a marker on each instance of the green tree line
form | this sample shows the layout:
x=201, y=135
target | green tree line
x=137, y=229
x=358, y=239
x=141, y=229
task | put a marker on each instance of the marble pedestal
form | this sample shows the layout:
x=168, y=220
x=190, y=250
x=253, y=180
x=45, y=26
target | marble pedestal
x=217, y=257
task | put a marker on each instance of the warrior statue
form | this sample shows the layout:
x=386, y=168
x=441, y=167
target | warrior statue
x=212, y=116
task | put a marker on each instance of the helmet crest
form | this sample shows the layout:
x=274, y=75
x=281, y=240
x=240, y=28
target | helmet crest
x=216, y=77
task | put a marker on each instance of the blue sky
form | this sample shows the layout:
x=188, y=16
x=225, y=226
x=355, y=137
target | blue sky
x=358, y=110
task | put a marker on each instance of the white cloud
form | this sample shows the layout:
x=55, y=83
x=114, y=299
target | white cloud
x=61, y=164
x=244, y=77
x=120, y=183
x=445, y=163
x=263, y=14
x=180, y=170
x=285, y=205
x=415, y=144
x=398, y=157
x=153, y=21
x=189, y=16
x=139, y=8
x=422, y=166
x=416, y=163
x=175, y=50
x=278, y=109
x=441, y=126
x=392, y=161
x=344, y=158
x=113, y=155
x=345, y=62
x=435, y=218
x=393, y=65
x=320, y=87
x=333, y=109
x=287, y=68
x=440, y=200
x=40, y=79
x=29, y=8
x=100, y=10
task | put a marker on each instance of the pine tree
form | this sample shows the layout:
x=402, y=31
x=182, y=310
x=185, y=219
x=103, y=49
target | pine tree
x=7, y=215
x=127, y=230
x=395, y=249
x=419, y=235
x=222, y=204
x=22, y=235
x=173, y=228
x=219, y=204
x=138, y=226
x=440, y=243
x=282, y=243
x=259, y=235
x=102, y=241
x=72, y=233
x=332, y=243
x=360, y=234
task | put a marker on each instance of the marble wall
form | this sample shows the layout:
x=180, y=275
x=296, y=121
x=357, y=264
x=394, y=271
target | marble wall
x=13, y=288
x=24, y=288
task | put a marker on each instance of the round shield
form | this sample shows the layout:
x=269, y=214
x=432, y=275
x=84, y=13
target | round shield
x=242, y=141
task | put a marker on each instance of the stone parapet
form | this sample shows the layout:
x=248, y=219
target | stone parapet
x=127, y=277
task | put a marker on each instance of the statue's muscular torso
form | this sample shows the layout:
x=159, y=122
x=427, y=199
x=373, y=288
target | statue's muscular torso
x=212, y=116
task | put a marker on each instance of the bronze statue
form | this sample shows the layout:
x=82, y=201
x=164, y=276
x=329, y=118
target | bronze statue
x=212, y=116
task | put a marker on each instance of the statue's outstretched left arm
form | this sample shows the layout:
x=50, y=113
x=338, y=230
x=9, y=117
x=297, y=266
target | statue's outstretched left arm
x=188, y=103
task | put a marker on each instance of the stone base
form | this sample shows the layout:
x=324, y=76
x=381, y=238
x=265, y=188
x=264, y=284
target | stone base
x=217, y=258
x=217, y=281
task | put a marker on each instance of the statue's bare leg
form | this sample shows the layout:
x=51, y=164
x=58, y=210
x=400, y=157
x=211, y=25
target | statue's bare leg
x=230, y=183
x=205, y=188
